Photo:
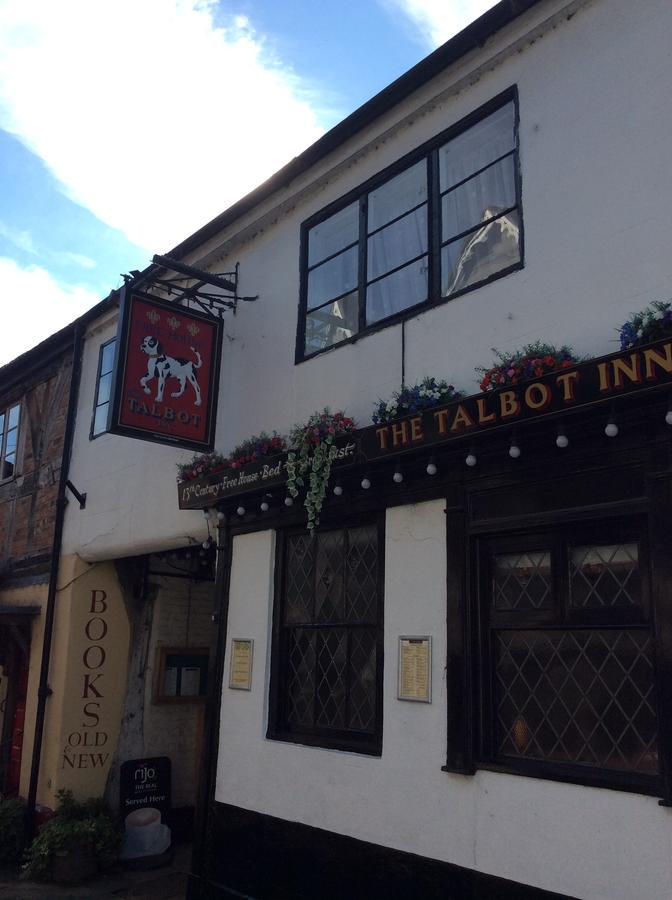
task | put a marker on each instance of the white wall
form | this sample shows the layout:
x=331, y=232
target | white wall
x=594, y=134
x=586, y=842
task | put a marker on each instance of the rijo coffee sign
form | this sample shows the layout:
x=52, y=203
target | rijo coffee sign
x=167, y=371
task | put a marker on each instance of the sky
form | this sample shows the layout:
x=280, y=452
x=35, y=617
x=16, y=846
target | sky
x=127, y=125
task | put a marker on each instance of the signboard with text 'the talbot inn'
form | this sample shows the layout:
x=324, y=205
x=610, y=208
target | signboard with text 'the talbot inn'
x=167, y=373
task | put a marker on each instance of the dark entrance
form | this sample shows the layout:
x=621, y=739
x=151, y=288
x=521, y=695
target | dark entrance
x=14, y=662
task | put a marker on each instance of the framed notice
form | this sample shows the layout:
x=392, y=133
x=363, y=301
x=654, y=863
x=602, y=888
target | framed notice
x=181, y=674
x=166, y=373
x=415, y=668
x=240, y=672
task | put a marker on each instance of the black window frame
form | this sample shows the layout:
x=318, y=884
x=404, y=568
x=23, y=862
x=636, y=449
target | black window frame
x=6, y=412
x=561, y=617
x=428, y=151
x=367, y=743
x=99, y=374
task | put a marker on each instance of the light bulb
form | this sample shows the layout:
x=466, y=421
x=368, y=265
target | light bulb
x=668, y=417
x=471, y=460
x=514, y=451
x=431, y=468
x=289, y=501
x=220, y=515
x=241, y=510
x=206, y=544
x=398, y=477
x=338, y=490
x=562, y=441
x=611, y=430
x=263, y=506
x=366, y=483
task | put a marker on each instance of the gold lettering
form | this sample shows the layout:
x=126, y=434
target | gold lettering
x=462, y=419
x=632, y=370
x=604, y=376
x=399, y=433
x=568, y=382
x=416, y=429
x=509, y=404
x=382, y=437
x=543, y=398
x=441, y=419
x=654, y=358
x=483, y=416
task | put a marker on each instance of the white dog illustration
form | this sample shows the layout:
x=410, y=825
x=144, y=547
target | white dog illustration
x=161, y=367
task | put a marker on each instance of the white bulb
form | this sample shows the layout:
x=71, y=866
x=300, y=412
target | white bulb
x=263, y=506
x=206, y=545
x=431, y=468
x=241, y=510
x=562, y=440
x=668, y=417
x=514, y=451
x=398, y=477
x=220, y=515
x=611, y=430
x=366, y=484
x=289, y=501
x=471, y=460
x=338, y=490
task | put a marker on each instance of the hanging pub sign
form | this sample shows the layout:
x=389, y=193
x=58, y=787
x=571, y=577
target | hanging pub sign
x=167, y=373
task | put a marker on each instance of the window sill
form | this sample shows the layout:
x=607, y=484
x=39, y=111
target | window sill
x=321, y=742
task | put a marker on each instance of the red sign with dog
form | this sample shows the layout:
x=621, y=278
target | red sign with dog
x=167, y=373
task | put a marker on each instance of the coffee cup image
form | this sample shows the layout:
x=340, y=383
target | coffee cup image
x=145, y=834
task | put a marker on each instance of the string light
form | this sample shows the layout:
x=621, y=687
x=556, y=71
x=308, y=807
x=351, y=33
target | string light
x=289, y=501
x=366, y=483
x=561, y=440
x=514, y=451
x=611, y=429
x=398, y=476
x=431, y=467
x=241, y=510
x=471, y=460
x=338, y=489
x=263, y=506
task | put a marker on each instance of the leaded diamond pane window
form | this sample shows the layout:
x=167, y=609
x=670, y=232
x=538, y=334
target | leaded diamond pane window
x=569, y=658
x=329, y=640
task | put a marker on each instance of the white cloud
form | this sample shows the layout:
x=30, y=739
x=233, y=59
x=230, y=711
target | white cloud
x=151, y=114
x=49, y=304
x=79, y=259
x=438, y=20
x=21, y=239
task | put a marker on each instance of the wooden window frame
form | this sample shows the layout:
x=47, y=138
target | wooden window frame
x=332, y=739
x=3, y=440
x=96, y=405
x=429, y=152
x=158, y=693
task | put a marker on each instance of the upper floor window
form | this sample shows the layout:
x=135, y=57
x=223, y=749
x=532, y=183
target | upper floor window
x=9, y=439
x=103, y=388
x=446, y=221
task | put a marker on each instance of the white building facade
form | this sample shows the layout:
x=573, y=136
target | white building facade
x=512, y=188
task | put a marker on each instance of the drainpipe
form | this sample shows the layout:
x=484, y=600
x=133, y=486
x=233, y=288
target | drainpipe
x=44, y=691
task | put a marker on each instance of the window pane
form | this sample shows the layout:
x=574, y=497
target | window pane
x=10, y=444
x=333, y=234
x=13, y=420
x=583, y=697
x=7, y=467
x=332, y=323
x=480, y=254
x=362, y=574
x=396, y=244
x=362, y=705
x=300, y=579
x=482, y=197
x=398, y=291
x=100, y=419
x=104, y=386
x=2, y=426
x=522, y=580
x=107, y=360
x=475, y=148
x=332, y=278
x=331, y=678
x=300, y=677
x=329, y=577
x=400, y=193
x=605, y=576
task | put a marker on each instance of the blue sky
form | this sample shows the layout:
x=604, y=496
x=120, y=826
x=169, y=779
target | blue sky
x=125, y=126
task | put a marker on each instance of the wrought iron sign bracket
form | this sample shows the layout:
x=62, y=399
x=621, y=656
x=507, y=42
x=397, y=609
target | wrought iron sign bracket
x=198, y=293
x=80, y=497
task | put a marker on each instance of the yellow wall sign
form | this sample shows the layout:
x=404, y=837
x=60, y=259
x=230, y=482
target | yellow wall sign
x=415, y=669
x=240, y=673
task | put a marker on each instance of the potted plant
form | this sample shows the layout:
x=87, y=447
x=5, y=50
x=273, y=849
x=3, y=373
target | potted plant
x=201, y=464
x=311, y=453
x=531, y=361
x=649, y=324
x=258, y=447
x=12, y=830
x=73, y=845
x=425, y=394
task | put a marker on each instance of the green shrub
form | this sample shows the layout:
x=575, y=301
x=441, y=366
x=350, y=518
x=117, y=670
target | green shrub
x=12, y=830
x=86, y=828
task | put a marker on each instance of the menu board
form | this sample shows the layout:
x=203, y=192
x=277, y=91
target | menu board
x=415, y=669
x=240, y=673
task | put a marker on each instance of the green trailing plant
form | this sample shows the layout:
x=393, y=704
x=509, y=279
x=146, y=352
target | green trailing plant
x=12, y=830
x=86, y=828
x=312, y=451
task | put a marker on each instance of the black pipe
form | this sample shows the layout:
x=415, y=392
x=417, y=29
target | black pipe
x=44, y=691
x=206, y=784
